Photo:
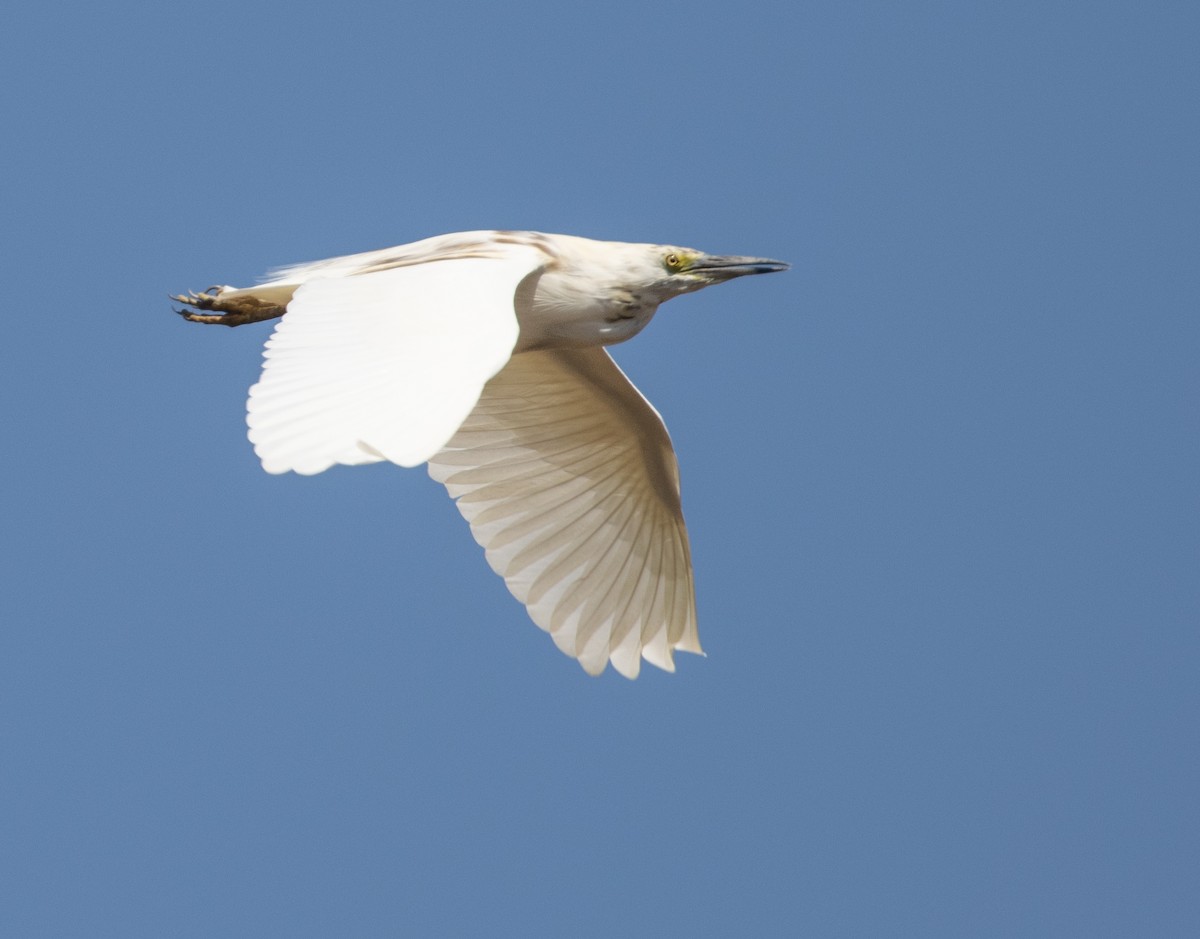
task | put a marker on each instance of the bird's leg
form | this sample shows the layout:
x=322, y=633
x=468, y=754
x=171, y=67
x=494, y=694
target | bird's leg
x=227, y=311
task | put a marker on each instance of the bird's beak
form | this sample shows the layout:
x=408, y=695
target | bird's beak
x=728, y=266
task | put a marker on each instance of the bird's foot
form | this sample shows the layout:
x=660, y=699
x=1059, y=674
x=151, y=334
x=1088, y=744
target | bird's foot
x=225, y=311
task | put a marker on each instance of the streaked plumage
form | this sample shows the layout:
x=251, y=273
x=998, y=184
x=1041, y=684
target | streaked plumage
x=482, y=354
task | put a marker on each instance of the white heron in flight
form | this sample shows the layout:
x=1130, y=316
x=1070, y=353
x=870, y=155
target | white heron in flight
x=482, y=353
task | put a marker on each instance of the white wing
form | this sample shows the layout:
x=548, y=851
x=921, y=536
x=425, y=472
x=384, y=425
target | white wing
x=384, y=365
x=568, y=479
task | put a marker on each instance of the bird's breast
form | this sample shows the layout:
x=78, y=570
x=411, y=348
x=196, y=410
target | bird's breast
x=556, y=311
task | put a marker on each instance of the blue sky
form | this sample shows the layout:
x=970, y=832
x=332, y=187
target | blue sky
x=941, y=478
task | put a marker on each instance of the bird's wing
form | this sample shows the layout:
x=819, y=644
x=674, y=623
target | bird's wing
x=568, y=479
x=384, y=365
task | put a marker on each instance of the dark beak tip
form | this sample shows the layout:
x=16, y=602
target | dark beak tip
x=737, y=266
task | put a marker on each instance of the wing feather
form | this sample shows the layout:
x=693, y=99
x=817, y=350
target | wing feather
x=384, y=365
x=568, y=479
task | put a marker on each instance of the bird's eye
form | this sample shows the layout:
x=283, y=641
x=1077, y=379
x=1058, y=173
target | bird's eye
x=673, y=261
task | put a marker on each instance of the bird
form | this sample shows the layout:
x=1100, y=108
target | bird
x=484, y=354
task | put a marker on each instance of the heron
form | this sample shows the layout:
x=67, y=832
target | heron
x=483, y=354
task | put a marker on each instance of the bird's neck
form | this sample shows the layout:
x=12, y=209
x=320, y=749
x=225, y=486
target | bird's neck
x=556, y=309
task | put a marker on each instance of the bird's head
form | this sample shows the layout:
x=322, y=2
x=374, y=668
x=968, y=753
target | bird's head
x=601, y=292
x=650, y=271
x=682, y=270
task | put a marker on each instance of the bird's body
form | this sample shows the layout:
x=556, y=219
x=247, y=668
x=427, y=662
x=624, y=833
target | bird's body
x=482, y=353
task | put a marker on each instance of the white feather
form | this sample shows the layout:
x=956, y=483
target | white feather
x=568, y=479
x=384, y=365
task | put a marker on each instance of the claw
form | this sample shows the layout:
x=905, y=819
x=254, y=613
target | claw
x=220, y=319
x=226, y=312
x=203, y=301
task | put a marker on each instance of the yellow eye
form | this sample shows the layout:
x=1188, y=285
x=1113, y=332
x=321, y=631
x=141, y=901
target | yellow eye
x=673, y=261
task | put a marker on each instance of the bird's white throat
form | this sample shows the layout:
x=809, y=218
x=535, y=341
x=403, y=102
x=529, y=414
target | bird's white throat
x=557, y=309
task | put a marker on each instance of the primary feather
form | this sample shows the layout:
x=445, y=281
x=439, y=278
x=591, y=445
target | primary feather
x=568, y=479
